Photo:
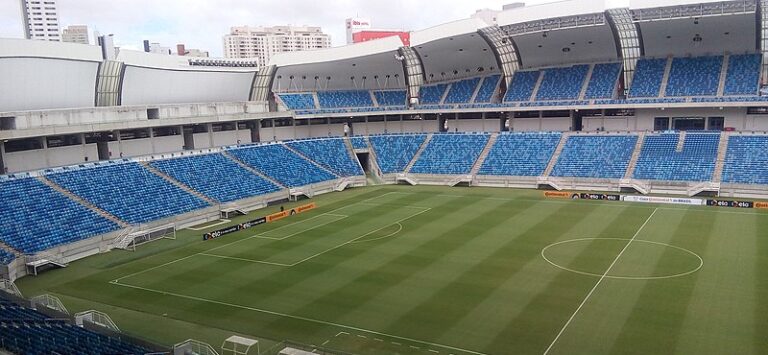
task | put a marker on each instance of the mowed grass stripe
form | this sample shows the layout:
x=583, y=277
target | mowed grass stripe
x=561, y=291
x=722, y=301
x=760, y=321
x=663, y=303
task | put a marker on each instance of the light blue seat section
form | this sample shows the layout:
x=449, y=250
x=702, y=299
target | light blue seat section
x=520, y=154
x=394, y=152
x=450, y=153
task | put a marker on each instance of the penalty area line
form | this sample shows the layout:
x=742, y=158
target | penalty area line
x=306, y=319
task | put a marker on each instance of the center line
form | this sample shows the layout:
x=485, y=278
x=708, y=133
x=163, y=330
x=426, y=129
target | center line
x=607, y=271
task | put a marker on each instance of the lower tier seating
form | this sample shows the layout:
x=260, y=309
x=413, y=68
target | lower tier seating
x=128, y=191
x=746, y=161
x=26, y=331
x=216, y=176
x=394, y=152
x=450, y=154
x=281, y=164
x=358, y=143
x=601, y=156
x=332, y=154
x=660, y=159
x=6, y=257
x=35, y=217
x=520, y=154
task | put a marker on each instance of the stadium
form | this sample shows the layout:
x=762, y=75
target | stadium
x=578, y=179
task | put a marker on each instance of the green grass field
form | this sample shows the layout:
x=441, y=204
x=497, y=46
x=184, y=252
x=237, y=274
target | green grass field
x=434, y=270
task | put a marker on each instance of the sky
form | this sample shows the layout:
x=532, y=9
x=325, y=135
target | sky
x=202, y=23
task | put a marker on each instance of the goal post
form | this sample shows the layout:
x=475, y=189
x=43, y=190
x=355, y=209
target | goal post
x=132, y=239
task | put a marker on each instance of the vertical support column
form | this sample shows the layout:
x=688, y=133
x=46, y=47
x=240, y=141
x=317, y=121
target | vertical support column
x=3, y=169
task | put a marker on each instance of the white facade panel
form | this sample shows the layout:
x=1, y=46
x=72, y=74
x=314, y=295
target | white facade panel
x=550, y=10
x=146, y=86
x=39, y=84
x=221, y=139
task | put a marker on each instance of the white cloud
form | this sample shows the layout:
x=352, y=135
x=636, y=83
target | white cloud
x=202, y=23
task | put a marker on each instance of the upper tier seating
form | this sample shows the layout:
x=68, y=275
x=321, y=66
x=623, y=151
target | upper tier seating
x=391, y=97
x=602, y=156
x=6, y=257
x=698, y=76
x=649, y=74
x=746, y=161
x=562, y=83
x=281, y=164
x=26, y=331
x=461, y=91
x=395, y=152
x=432, y=94
x=332, y=154
x=341, y=99
x=129, y=192
x=302, y=101
x=358, y=142
x=523, y=84
x=743, y=76
x=35, y=217
x=602, y=83
x=487, y=88
x=216, y=176
x=660, y=160
x=450, y=154
x=520, y=154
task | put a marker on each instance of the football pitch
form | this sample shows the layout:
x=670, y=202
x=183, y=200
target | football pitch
x=436, y=270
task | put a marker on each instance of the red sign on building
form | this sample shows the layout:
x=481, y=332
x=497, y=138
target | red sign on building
x=364, y=36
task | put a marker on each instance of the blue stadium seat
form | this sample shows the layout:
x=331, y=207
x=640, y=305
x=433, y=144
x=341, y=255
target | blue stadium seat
x=216, y=176
x=743, y=76
x=391, y=97
x=562, y=83
x=281, y=164
x=522, y=86
x=343, y=99
x=746, y=161
x=649, y=74
x=595, y=156
x=129, y=192
x=432, y=94
x=299, y=101
x=697, y=76
x=450, y=154
x=461, y=91
x=331, y=153
x=34, y=217
x=603, y=82
x=6, y=257
x=520, y=154
x=394, y=152
x=26, y=331
x=487, y=88
x=660, y=160
x=358, y=142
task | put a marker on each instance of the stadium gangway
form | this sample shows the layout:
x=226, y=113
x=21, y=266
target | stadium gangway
x=9, y=287
x=37, y=261
x=48, y=301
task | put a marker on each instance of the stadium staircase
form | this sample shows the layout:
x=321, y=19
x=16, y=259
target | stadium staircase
x=318, y=165
x=585, y=84
x=722, y=152
x=317, y=100
x=665, y=78
x=635, y=155
x=556, y=155
x=83, y=202
x=373, y=99
x=178, y=184
x=252, y=170
x=723, y=75
x=377, y=176
x=536, y=87
x=477, y=89
x=445, y=93
x=40, y=260
x=418, y=153
x=681, y=142
x=484, y=154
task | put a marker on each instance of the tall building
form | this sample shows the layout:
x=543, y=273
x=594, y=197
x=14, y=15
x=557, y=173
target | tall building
x=262, y=43
x=40, y=19
x=107, y=44
x=183, y=51
x=489, y=15
x=359, y=30
x=75, y=34
x=155, y=47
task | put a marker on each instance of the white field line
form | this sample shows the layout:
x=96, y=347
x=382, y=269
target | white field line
x=306, y=319
x=599, y=281
x=221, y=221
x=263, y=235
x=233, y=242
x=398, y=222
x=399, y=229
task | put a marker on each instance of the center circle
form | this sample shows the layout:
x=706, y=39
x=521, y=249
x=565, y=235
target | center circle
x=678, y=261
